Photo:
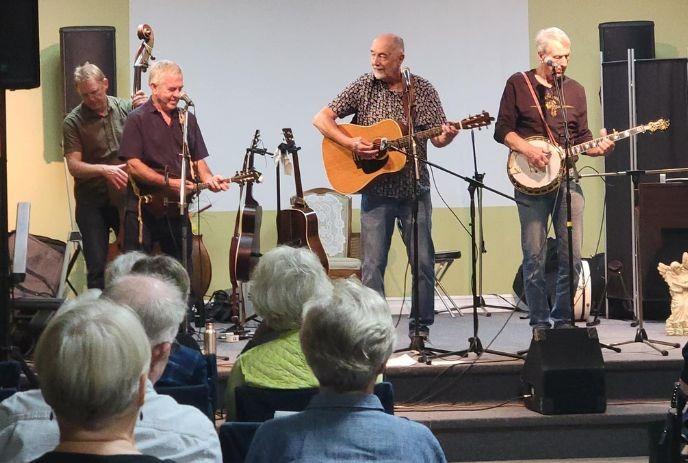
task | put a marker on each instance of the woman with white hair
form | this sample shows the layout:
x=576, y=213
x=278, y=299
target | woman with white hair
x=93, y=361
x=281, y=284
x=347, y=340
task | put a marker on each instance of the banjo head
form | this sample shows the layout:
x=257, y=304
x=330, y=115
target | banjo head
x=531, y=180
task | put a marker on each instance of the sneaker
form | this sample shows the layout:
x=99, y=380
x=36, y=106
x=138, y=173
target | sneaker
x=562, y=324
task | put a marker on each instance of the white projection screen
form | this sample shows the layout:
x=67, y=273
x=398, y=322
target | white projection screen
x=269, y=64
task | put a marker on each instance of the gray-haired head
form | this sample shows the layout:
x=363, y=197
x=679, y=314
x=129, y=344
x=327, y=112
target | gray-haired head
x=121, y=265
x=87, y=71
x=283, y=281
x=166, y=267
x=552, y=34
x=91, y=359
x=348, y=337
x=158, y=302
x=162, y=68
x=394, y=40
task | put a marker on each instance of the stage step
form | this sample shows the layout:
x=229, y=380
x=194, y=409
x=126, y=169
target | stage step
x=494, y=382
x=512, y=432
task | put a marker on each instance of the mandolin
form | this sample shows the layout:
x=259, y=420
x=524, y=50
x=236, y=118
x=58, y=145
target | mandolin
x=297, y=226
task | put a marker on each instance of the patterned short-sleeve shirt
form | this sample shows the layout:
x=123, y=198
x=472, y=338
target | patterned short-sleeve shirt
x=370, y=100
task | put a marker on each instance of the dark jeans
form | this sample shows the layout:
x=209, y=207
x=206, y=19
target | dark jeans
x=164, y=231
x=95, y=223
x=378, y=216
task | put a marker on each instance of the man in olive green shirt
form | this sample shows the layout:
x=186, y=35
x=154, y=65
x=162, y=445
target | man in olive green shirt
x=92, y=132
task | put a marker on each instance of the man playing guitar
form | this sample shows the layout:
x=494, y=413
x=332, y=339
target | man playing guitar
x=151, y=144
x=520, y=117
x=371, y=98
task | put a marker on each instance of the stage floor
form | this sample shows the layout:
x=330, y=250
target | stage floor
x=506, y=331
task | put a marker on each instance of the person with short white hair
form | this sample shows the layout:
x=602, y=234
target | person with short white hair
x=151, y=143
x=347, y=340
x=164, y=429
x=96, y=407
x=282, y=282
x=531, y=106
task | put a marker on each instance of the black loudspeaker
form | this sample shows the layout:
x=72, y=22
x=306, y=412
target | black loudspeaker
x=19, y=57
x=78, y=44
x=617, y=37
x=564, y=372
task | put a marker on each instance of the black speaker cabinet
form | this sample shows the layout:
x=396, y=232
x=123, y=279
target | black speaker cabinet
x=661, y=87
x=564, y=372
x=78, y=44
x=19, y=57
x=617, y=37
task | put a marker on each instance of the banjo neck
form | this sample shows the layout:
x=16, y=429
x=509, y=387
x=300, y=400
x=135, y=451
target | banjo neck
x=660, y=124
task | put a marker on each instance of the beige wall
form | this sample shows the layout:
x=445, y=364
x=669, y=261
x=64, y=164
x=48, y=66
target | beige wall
x=36, y=173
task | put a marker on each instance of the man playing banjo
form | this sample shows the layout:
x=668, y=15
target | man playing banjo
x=531, y=106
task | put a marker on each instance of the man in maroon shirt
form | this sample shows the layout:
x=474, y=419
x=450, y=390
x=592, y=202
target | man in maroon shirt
x=519, y=119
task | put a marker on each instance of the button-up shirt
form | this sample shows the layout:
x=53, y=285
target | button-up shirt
x=371, y=100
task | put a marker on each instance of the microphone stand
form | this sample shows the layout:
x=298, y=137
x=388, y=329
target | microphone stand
x=417, y=342
x=183, y=204
x=474, y=343
x=570, y=164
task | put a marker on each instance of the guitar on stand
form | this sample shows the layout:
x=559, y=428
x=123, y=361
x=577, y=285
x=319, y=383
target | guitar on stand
x=244, y=250
x=297, y=226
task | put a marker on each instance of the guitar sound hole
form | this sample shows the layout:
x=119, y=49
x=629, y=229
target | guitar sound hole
x=371, y=165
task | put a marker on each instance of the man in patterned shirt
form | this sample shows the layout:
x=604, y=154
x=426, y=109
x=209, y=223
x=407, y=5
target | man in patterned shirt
x=371, y=98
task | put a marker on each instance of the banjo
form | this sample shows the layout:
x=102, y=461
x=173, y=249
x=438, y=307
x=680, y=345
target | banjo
x=535, y=181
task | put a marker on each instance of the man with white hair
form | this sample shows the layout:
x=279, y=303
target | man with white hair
x=347, y=339
x=91, y=133
x=531, y=106
x=164, y=429
x=151, y=144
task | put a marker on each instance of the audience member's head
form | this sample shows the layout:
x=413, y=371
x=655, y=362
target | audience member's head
x=348, y=337
x=161, y=307
x=93, y=360
x=283, y=281
x=121, y=265
x=166, y=267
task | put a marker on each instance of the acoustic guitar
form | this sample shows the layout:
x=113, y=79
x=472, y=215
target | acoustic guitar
x=349, y=174
x=297, y=226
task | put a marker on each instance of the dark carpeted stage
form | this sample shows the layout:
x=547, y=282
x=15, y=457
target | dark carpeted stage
x=473, y=405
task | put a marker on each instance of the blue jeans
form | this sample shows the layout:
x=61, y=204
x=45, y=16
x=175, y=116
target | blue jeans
x=378, y=216
x=534, y=245
x=95, y=223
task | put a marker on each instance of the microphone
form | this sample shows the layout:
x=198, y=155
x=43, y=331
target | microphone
x=551, y=63
x=406, y=76
x=186, y=99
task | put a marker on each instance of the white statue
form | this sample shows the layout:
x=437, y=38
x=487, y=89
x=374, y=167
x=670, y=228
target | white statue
x=676, y=276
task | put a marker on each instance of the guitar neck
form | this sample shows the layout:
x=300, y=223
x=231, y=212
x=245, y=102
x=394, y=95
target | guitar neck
x=405, y=141
x=583, y=147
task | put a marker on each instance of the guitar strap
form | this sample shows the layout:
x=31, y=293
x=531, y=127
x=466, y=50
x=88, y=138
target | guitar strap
x=550, y=135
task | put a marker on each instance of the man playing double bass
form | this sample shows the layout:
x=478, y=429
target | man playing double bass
x=151, y=146
x=371, y=98
x=92, y=132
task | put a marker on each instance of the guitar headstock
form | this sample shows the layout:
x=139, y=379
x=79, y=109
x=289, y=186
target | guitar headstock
x=659, y=124
x=476, y=122
x=288, y=135
x=247, y=176
x=256, y=139
x=288, y=144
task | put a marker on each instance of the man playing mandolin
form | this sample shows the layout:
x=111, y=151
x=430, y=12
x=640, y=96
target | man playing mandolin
x=520, y=118
x=371, y=98
x=91, y=133
x=151, y=146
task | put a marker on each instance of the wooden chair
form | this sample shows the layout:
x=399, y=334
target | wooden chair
x=334, y=227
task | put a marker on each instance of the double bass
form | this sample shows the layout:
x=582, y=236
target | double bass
x=141, y=60
x=244, y=249
x=297, y=226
